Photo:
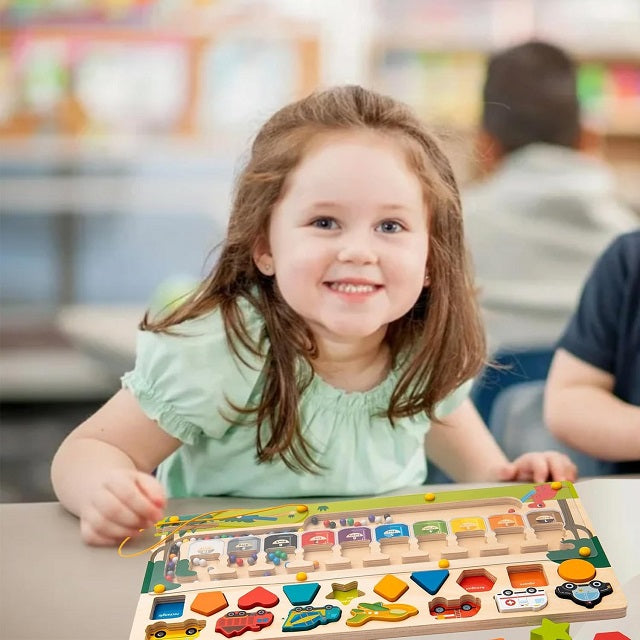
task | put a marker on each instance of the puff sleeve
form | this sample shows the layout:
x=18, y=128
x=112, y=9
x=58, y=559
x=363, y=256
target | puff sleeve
x=453, y=400
x=186, y=380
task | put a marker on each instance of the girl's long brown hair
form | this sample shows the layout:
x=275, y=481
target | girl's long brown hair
x=439, y=343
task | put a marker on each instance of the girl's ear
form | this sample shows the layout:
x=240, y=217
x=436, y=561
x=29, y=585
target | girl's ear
x=262, y=257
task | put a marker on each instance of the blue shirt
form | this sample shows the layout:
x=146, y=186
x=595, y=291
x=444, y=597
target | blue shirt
x=605, y=329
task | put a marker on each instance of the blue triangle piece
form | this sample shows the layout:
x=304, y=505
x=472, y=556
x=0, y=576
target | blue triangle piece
x=299, y=594
x=430, y=581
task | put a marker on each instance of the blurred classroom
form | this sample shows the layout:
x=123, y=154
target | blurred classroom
x=122, y=123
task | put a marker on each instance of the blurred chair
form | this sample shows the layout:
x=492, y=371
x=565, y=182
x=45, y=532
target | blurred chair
x=509, y=395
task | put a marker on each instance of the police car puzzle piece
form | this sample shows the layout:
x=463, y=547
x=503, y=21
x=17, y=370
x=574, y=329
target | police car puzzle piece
x=586, y=595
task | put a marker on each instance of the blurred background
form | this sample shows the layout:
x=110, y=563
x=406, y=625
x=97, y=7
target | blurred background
x=123, y=122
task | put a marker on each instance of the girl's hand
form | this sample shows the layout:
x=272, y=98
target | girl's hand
x=539, y=467
x=126, y=502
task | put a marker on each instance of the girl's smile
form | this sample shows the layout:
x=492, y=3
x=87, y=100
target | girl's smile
x=348, y=239
x=354, y=290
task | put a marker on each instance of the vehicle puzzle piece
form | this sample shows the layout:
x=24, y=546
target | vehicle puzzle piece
x=236, y=623
x=365, y=612
x=586, y=595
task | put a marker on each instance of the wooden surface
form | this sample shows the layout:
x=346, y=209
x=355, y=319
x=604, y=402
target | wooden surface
x=55, y=588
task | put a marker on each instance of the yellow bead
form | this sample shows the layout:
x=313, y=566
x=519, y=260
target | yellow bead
x=174, y=518
x=302, y=508
x=159, y=588
x=556, y=486
x=429, y=497
x=584, y=551
x=443, y=564
x=301, y=576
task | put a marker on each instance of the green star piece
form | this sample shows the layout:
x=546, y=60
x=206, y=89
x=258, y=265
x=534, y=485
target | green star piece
x=551, y=631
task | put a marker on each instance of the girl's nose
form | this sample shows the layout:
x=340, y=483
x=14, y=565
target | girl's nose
x=357, y=250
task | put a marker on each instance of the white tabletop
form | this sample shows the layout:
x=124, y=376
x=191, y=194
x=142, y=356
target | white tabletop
x=53, y=587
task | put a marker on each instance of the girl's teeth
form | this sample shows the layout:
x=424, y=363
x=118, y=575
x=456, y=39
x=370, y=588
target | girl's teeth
x=352, y=288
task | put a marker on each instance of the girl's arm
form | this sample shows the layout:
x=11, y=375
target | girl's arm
x=102, y=471
x=581, y=410
x=462, y=446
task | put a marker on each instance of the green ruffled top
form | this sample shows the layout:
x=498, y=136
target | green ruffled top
x=185, y=380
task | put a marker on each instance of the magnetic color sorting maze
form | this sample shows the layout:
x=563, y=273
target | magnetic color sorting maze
x=379, y=568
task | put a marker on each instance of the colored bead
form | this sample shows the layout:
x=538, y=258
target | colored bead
x=584, y=551
x=174, y=518
x=159, y=588
x=429, y=497
x=372, y=518
x=443, y=563
x=556, y=486
x=314, y=519
x=326, y=523
x=332, y=525
x=343, y=521
x=301, y=576
x=350, y=521
x=302, y=508
x=239, y=562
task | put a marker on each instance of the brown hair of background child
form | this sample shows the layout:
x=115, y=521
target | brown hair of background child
x=439, y=342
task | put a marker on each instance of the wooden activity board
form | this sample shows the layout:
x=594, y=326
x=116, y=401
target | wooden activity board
x=378, y=568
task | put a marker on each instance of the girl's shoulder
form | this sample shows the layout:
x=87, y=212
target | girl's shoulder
x=205, y=335
x=184, y=377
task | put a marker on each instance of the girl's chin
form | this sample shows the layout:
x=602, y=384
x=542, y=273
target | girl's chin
x=347, y=332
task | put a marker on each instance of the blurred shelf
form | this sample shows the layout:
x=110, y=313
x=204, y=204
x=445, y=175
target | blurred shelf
x=105, y=333
x=28, y=375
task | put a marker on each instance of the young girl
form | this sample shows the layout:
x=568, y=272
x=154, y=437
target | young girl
x=337, y=330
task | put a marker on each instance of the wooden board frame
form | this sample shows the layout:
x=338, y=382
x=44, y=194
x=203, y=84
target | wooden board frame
x=497, y=538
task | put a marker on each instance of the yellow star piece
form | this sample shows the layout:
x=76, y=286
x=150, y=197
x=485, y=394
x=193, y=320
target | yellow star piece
x=551, y=631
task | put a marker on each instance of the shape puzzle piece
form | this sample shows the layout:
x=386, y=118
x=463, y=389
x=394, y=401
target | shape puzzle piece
x=430, y=581
x=299, y=594
x=236, y=623
x=258, y=597
x=390, y=588
x=209, y=602
x=365, y=612
x=551, y=631
x=611, y=635
x=345, y=593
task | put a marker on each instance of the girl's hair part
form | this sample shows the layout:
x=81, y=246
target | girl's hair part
x=437, y=345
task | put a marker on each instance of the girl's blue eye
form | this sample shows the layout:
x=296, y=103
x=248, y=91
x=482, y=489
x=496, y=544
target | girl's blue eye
x=324, y=223
x=390, y=226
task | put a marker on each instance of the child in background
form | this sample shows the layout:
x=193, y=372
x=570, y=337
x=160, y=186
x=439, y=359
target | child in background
x=334, y=339
x=547, y=207
x=592, y=399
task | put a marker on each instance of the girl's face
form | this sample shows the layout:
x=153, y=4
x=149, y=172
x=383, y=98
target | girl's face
x=348, y=240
